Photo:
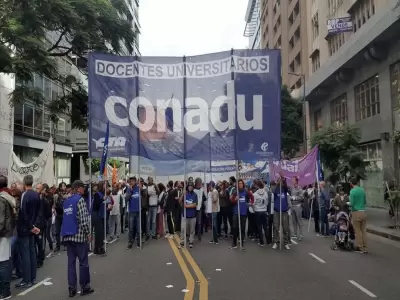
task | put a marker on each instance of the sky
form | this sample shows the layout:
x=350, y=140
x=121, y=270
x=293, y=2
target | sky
x=191, y=27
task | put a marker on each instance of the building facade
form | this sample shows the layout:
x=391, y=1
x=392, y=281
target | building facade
x=253, y=24
x=79, y=167
x=354, y=77
x=284, y=26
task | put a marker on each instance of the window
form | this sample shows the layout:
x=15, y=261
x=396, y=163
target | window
x=47, y=125
x=339, y=110
x=395, y=84
x=61, y=127
x=18, y=116
x=335, y=41
x=318, y=120
x=54, y=91
x=38, y=119
x=362, y=12
x=38, y=82
x=372, y=151
x=28, y=115
x=315, y=26
x=315, y=61
x=47, y=89
x=367, y=98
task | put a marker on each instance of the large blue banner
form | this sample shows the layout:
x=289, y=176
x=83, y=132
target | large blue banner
x=219, y=106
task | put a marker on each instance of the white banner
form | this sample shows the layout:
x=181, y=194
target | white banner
x=7, y=84
x=42, y=169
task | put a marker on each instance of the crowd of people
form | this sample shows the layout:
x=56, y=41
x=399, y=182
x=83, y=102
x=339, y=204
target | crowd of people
x=35, y=220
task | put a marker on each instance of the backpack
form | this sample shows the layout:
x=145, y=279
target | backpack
x=58, y=205
x=163, y=201
x=9, y=219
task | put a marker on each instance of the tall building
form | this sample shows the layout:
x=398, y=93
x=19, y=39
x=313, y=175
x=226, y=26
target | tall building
x=354, y=77
x=79, y=168
x=284, y=26
x=253, y=24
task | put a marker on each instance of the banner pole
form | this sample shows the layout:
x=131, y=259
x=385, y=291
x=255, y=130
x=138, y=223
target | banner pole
x=105, y=213
x=309, y=220
x=90, y=194
x=140, y=206
x=184, y=204
x=281, y=237
x=237, y=194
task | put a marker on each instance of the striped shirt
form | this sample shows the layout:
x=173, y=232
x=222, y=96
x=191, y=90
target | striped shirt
x=83, y=224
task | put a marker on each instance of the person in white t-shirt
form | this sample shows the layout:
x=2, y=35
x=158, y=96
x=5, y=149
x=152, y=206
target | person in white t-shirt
x=115, y=214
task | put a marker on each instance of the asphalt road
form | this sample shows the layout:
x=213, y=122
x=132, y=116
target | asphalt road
x=310, y=270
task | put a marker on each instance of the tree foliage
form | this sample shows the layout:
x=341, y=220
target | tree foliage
x=96, y=162
x=292, y=130
x=35, y=34
x=338, y=146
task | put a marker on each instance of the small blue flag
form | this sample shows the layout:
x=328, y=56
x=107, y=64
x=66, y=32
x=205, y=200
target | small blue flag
x=103, y=164
x=320, y=173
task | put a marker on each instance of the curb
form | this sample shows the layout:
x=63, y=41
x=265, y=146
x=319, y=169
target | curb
x=384, y=234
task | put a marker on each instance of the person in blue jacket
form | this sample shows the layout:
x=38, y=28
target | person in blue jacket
x=75, y=232
x=239, y=211
x=132, y=198
x=189, y=214
x=281, y=208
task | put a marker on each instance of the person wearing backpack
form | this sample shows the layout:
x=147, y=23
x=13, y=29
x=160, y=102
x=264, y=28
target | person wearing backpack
x=7, y=224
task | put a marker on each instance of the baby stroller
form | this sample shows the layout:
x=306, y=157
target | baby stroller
x=341, y=232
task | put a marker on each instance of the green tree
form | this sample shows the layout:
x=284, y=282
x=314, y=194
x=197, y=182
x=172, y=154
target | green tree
x=291, y=118
x=338, y=146
x=96, y=162
x=42, y=32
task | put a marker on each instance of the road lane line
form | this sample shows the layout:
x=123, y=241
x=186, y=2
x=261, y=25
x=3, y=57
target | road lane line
x=363, y=289
x=188, y=276
x=34, y=287
x=203, y=295
x=317, y=258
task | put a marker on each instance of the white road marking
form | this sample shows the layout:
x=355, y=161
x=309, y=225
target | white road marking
x=169, y=286
x=34, y=287
x=169, y=263
x=317, y=258
x=293, y=241
x=363, y=289
x=185, y=291
x=218, y=270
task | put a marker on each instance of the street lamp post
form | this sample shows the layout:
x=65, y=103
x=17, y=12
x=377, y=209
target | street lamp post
x=303, y=101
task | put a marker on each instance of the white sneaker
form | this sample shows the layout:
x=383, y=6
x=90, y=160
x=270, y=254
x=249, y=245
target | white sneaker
x=275, y=246
x=287, y=247
x=167, y=236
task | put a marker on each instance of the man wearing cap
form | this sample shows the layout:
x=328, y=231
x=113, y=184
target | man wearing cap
x=75, y=232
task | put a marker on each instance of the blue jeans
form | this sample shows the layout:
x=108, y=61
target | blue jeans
x=15, y=261
x=324, y=222
x=151, y=221
x=215, y=226
x=26, y=247
x=5, y=277
x=134, y=227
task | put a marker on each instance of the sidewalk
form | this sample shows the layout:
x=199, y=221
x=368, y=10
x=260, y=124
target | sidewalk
x=378, y=221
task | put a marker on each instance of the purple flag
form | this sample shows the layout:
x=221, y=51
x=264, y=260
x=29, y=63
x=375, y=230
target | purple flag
x=304, y=169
